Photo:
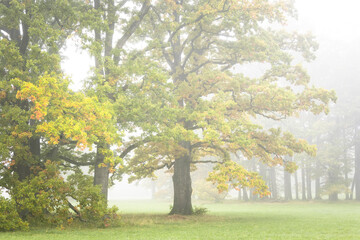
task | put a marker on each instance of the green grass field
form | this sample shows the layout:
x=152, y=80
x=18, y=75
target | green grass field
x=231, y=220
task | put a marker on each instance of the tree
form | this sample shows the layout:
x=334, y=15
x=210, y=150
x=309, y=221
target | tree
x=99, y=22
x=31, y=35
x=201, y=44
x=41, y=119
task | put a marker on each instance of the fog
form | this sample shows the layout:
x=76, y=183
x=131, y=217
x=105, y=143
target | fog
x=336, y=27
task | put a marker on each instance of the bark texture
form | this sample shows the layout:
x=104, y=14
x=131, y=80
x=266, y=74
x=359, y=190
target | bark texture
x=182, y=186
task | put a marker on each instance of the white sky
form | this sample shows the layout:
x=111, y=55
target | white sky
x=332, y=18
x=331, y=21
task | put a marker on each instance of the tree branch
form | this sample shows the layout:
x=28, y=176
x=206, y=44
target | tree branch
x=7, y=36
x=132, y=28
x=133, y=146
x=72, y=207
x=206, y=161
x=66, y=159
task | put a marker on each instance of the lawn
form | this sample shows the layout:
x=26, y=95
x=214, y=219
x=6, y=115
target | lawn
x=231, y=220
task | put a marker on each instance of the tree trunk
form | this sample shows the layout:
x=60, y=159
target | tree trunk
x=308, y=182
x=182, y=185
x=23, y=168
x=296, y=185
x=101, y=172
x=273, y=185
x=346, y=165
x=239, y=195
x=333, y=197
x=253, y=196
x=317, y=188
x=303, y=187
x=346, y=173
x=287, y=186
x=352, y=188
x=245, y=195
x=262, y=172
x=317, y=182
x=357, y=165
x=153, y=190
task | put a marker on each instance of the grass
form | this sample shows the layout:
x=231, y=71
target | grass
x=231, y=220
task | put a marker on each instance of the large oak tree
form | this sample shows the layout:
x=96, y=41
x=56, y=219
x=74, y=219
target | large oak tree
x=203, y=45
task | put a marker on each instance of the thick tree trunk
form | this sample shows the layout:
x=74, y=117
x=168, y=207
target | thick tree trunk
x=22, y=169
x=101, y=172
x=23, y=166
x=287, y=186
x=182, y=186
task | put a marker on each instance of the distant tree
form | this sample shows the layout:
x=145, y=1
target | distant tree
x=287, y=186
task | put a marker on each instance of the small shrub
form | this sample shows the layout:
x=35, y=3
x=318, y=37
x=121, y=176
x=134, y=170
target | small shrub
x=199, y=211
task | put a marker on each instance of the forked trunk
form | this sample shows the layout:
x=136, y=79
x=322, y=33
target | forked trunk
x=182, y=186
